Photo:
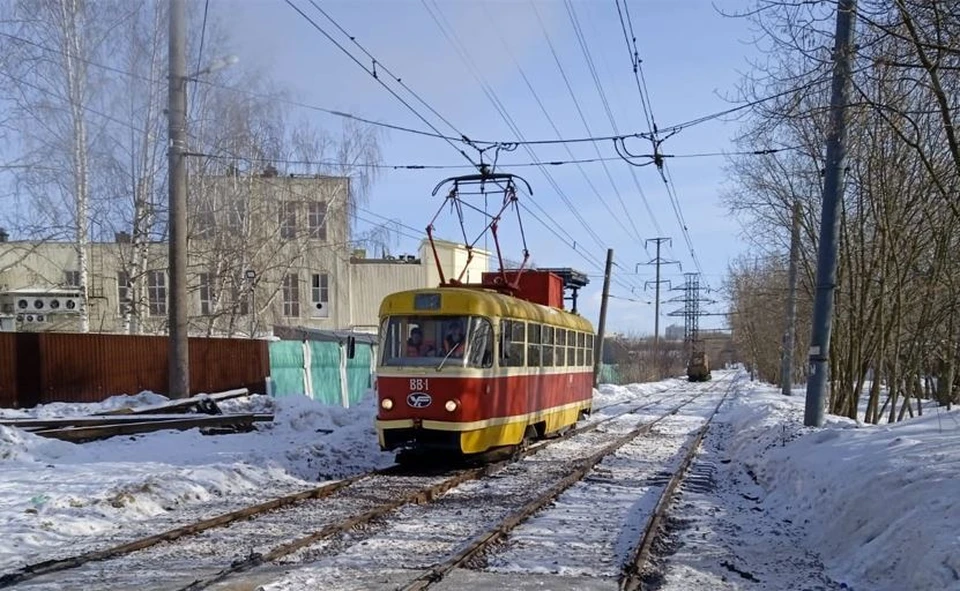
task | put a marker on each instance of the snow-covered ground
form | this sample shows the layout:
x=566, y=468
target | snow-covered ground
x=873, y=507
x=55, y=495
x=779, y=506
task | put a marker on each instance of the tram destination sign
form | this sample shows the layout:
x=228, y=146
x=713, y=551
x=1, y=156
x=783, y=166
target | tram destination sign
x=426, y=301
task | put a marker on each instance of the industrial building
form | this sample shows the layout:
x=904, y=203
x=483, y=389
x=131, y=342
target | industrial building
x=264, y=250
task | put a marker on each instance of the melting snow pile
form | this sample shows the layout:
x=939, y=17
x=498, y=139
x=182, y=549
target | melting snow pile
x=879, y=504
x=610, y=394
x=53, y=491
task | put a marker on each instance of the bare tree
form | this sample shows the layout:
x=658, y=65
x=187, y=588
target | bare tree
x=896, y=303
x=53, y=92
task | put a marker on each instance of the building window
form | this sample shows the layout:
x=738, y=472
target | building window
x=206, y=223
x=291, y=296
x=71, y=278
x=317, y=220
x=241, y=299
x=125, y=303
x=237, y=216
x=288, y=219
x=320, y=294
x=157, y=292
x=206, y=294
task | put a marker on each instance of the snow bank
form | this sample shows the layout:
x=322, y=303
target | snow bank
x=54, y=491
x=880, y=504
x=72, y=409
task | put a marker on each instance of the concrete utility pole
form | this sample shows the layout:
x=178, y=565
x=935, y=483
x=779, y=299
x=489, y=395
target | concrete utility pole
x=832, y=187
x=178, y=355
x=656, y=303
x=786, y=366
x=598, y=345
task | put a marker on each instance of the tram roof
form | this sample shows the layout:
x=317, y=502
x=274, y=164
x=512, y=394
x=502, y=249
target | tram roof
x=478, y=302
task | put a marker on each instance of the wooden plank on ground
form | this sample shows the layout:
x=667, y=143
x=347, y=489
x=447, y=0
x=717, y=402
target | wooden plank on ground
x=184, y=404
x=88, y=420
x=91, y=432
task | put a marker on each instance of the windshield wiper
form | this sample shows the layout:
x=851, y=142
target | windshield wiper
x=444, y=360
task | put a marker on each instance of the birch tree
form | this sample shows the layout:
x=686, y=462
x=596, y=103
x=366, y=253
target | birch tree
x=53, y=91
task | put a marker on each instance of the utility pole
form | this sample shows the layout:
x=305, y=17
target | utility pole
x=178, y=354
x=832, y=187
x=656, y=303
x=786, y=366
x=598, y=345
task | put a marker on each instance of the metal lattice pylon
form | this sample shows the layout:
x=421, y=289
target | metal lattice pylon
x=690, y=311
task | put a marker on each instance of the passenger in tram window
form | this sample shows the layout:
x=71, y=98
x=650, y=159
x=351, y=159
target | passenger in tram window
x=453, y=341
x=415, y=345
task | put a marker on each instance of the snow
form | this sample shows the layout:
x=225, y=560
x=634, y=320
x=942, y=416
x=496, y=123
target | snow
x=55, y=494
x=770, y=504
x=71, y=409
x=876, y=506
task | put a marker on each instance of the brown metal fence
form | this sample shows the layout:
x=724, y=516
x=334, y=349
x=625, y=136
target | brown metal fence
x=8, y=369
x=37, y=368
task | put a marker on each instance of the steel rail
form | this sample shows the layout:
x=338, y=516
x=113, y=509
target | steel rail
x=422, y=495
x=581, y=469
x=632, y=573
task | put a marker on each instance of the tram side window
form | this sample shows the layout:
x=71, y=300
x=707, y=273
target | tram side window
x=571, y=348
x=533, y=345
x=581, y=340
x=547, y=348
x=480, y=349
x=560, y=352
x=512, y=343
x=589, y=349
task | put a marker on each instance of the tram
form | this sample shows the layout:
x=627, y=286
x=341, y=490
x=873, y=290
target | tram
x=465, y=369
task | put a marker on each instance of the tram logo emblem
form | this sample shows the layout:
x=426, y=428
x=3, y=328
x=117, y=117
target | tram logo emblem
x=419, y=400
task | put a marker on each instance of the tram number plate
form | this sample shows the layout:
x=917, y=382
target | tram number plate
x=419, y=384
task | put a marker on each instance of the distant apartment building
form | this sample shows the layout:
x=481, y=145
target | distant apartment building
x=263, y=250
x=674, y=332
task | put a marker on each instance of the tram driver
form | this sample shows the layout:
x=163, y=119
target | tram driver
x=416, y=347
x=453, y=340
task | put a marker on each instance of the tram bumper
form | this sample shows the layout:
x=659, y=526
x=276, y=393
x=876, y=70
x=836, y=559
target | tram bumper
x=410, y=433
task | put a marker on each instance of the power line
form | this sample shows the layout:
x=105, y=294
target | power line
x=637, y=65
x=203, y=34
x=581, y=39
x=432, y=134
x=566, y=80
x=511, y=123
x=501, y=165
x=372, y=71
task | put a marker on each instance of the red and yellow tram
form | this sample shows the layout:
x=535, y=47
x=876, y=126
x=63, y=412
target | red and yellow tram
x=470, y=369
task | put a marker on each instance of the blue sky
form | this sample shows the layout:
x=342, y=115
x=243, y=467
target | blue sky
x=692, y=58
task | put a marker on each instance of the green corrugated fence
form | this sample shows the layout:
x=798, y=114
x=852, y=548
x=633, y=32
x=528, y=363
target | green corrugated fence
x=286, y=368
x=609, y=374
x=321, y=370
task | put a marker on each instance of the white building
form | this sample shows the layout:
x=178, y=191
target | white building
x=264, y=250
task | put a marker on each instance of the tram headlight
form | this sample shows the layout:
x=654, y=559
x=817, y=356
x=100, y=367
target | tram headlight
x=386, y=404
x=451, y=405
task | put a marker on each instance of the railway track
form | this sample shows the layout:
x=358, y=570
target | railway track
x=634, y=571
x=485, y=540
x=402, y=489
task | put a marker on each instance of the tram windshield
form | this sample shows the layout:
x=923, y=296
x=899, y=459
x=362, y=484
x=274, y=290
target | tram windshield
x=438, y=341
